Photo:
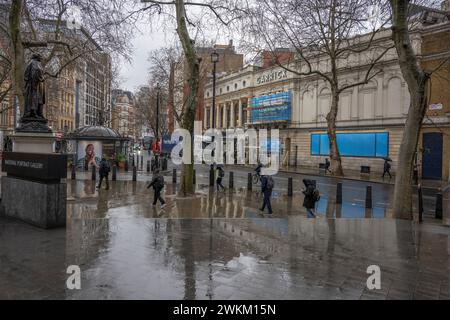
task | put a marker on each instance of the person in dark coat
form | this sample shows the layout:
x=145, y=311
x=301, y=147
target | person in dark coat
x=158, y=185
x=310, y=199
x=220, y=175
x=103, y=172
x=387, y=168
x=267, y=185
x=327, y=166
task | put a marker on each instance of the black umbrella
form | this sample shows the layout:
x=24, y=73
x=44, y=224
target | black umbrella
x=388, y=159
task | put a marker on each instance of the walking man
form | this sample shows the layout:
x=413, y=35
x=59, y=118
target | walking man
x=311, y=197
x=158, y=185
x=220, y=176
x=267, y=185
x=327, y=166
x=387, y=168
x=103, y=171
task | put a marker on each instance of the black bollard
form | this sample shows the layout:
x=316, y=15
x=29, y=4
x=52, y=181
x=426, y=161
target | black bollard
x=290, y=187
x=249, y=181
x=137, y=161
x=126, y=165
x=419, y=193
x=439, y=204
x=94, y=173
x=174, y=176
x=211, y=177
x=114, y=173
x=164, y=164
x=231, y=180
x=148, y=166
x=142, y=161
x=194, y=178
x=369, y=197
x=74, y=173
x=134, y=174
x=339, y=193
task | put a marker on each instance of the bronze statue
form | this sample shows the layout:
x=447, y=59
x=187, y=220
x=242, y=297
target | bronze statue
x=33, y=119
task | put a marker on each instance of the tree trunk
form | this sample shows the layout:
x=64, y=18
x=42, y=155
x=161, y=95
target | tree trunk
x=335, y=156
x=417, y=83
x=193, y=62
x=18, y=55
x=171, y=102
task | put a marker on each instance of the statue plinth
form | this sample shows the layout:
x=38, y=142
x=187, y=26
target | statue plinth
x=33, y=124
x=33, y=142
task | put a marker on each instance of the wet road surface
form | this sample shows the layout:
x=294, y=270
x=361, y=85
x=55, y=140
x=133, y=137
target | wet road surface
x=218, y=246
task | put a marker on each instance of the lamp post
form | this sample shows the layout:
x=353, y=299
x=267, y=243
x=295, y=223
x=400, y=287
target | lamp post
x=157, y=127
x=214, y=60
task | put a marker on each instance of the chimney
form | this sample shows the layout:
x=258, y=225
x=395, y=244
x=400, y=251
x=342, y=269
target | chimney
x=445, y=5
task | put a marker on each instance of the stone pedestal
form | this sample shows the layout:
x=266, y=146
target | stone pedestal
x=37, y=203
x=34, y=191
x=33, y=142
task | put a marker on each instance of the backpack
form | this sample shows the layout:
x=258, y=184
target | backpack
x=270, y=183
x=316, y=195
x=221, y=174
x=159, y=184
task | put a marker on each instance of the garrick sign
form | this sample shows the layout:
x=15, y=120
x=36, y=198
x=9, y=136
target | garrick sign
x=272, y=76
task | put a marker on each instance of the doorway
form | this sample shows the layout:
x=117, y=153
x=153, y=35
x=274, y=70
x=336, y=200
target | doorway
x=432, y=155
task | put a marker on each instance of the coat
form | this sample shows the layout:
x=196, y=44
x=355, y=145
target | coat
x=309, y=202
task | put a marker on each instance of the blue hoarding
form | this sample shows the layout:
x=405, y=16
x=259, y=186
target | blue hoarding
x=271, y=108
x=168, y=144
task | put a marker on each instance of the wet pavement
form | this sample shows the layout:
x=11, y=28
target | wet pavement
x=218, y=246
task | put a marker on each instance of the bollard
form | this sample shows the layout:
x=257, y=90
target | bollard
x=249, y=181
x=137, y=161
x=369, y=197
x=126, y=165
x=339, y=193
x=148, y=166
x=290, y=187
x=134, y=174
x=94, y=173
x=231, y=180
x=74, y=173
x=164, y=164
x=174, y=176
x=114, y=173
x=439, y=204
x=194, y=178
x=211, y=177
x=419, y=191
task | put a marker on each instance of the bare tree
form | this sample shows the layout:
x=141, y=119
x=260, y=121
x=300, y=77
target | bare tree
x=418, y=81
x=146, y=106
x=224, y=11
x=60, y=43
x=324, y=35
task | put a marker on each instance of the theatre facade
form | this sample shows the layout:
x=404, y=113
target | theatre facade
x=371, y=117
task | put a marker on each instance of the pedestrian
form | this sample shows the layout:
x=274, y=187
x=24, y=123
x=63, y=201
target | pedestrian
x=158, y=185
x=327, y=166
x=103, y=172
x=387, y=168
x=220, y=176
x=267, y=185
x=311, y=197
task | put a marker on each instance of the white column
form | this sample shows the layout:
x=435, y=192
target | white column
x=249, y=115
x=217, y=116
x=232, y=123
x=241, y=125
x=224, y=111
x=205, y=119
x=211, y=120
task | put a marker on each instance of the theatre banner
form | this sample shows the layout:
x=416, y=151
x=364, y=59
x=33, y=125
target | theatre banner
x=271, y=108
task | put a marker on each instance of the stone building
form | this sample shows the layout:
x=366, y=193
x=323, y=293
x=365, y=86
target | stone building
x=371, y=117
x=124, y=115
x=229, y=61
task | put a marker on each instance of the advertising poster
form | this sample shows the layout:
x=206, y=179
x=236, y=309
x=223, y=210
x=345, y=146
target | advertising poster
x=89, y=153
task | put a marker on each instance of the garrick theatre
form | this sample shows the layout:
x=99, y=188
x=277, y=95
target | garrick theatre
x=371, y=117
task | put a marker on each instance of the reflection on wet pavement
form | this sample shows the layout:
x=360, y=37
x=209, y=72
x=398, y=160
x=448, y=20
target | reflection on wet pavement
x=219, y=247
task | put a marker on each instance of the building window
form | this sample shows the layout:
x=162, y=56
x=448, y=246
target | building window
x=373, y=145
x=228, y=88
x=244, y=83
x=235, y=86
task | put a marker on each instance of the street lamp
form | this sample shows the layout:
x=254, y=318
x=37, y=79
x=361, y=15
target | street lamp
x=214, y=60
